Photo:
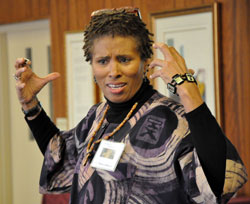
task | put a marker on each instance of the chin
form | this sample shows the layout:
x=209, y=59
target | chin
x=117, y=99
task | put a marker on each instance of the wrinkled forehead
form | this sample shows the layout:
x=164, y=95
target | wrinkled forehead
x=118, y=45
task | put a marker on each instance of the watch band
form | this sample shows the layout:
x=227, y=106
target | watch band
x=189, y=77
x=178, y=80
x=33, y=111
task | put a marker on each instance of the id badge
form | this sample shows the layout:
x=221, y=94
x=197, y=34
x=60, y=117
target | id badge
x=108, y=155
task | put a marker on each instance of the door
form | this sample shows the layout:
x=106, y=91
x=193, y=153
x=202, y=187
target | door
x=30, y=40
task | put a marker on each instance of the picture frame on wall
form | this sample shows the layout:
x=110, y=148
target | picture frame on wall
x=194, y=34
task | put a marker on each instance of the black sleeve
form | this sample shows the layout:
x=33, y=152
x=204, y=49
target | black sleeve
x=43, y=130
x=210, y=144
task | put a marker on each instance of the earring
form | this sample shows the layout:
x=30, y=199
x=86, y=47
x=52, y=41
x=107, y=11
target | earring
x=95, y=80
x=145, y=78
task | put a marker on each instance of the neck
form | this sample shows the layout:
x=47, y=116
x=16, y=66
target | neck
x=118, y=111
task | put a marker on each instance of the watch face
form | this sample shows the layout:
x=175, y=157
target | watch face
x=171, y=88
x=190, y=77
x=178, y=79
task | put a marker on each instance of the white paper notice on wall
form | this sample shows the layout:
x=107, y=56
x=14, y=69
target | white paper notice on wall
x=80, y=85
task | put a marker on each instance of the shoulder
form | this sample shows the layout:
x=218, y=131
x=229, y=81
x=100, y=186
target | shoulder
x=173, y=114
x=85, y=124
x=160, y=102
x=160, y=129
x=163, y=117
x=91, y=114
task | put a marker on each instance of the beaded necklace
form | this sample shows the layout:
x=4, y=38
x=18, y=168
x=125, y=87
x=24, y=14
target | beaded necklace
x=91, y=145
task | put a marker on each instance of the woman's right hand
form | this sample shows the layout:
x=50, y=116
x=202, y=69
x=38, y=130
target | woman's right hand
x=28, y=84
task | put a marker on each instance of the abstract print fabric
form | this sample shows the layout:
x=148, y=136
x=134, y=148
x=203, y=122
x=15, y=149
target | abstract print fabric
x=159, y=164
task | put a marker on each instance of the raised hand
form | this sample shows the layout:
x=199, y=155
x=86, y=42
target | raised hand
x=172, y=64
x=28, y=84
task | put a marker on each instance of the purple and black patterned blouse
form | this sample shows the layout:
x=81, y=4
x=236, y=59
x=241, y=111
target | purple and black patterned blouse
x=160, y=163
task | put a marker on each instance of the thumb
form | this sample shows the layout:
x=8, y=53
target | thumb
x=51, y=77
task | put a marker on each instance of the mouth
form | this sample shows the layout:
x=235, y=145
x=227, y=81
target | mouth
x=116, y=86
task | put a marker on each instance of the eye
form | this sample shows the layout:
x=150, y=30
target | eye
x=102, y=61
x=124, y=59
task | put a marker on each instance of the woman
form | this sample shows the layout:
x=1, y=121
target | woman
x=173, y=153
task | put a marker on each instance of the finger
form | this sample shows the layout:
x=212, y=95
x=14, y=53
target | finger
x=23, y=98
x=165, y=51
x=191, y=71
x=18, y=62
x=21, y=62
x=170, y=68
x=23, y=73
x=20, y=85
x=160, y=73
x=51, y=77
x=157, y=62
x=179, y=59
x=19, y=72
x=157, y=73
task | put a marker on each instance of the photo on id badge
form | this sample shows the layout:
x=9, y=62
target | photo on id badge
x=107, y=153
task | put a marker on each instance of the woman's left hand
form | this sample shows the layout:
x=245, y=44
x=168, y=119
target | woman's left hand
x=173, y=64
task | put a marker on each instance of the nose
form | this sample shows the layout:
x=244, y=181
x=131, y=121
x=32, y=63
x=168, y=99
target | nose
x=114, y=70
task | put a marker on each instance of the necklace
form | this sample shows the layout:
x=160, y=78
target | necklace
x=91, y=145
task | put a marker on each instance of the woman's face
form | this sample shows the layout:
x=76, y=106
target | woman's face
x=117, y=67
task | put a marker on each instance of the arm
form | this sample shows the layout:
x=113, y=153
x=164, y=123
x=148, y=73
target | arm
x=220, y=161
x=43, y=129
x=206, y=134
x=209, y=141
x=28, y=85
x=221, y=165
x=59, y=148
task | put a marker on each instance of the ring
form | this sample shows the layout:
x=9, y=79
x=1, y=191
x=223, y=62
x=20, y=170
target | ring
x=16, y=77
x=26, y=61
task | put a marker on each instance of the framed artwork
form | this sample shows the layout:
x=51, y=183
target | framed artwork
x=194, y=34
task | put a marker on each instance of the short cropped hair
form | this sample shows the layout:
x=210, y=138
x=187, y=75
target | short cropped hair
x=118, y=23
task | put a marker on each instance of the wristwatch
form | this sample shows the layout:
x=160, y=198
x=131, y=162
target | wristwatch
x=189, y=77
x=33, y=111
x=178, y=80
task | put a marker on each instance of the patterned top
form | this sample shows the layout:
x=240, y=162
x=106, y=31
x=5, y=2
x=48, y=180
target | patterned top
x=159, y=164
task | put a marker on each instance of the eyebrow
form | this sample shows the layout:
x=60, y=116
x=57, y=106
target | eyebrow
x=118, y=56
x=126, y=56
x=102, y=57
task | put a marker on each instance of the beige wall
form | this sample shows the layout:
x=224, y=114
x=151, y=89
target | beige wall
x=5, y=156
x=21, y=159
